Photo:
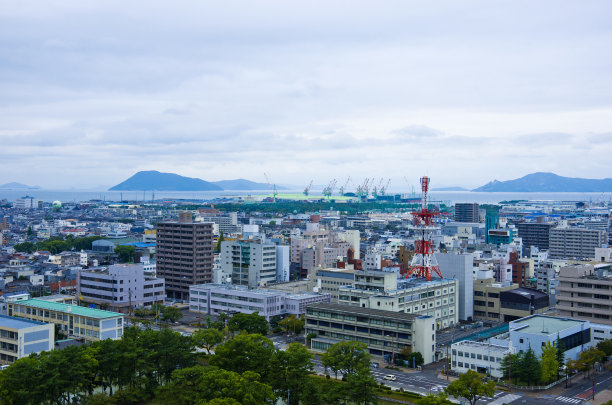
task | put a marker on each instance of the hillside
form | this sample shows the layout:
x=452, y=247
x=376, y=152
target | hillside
x=154, y=180
x=548, y=182
x=17, y=186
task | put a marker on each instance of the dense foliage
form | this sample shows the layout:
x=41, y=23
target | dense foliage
x=57, y=245
x=164, y=365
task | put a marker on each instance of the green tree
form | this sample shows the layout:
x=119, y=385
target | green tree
x=346, y=357
x=530, y=368
x=207, y=338
x=108, y=354
x=29, y=232
x=362, y=386
x=292, y=324
x=209, y=385
x=21, y=383
x=550, y=364
x=221, y=239
x=414, y=359
x=126, y=253
x=249, y=323
x=171, y=314
x=471, y=387
x=588, y=358
x=605, y=346
x=290, y=371
x=26, y=247
x=245, y=352
x=510, y=366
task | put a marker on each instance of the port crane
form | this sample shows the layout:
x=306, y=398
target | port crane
x=344, y=186
x=329, y=189
x=272, y=187
x=307, y=189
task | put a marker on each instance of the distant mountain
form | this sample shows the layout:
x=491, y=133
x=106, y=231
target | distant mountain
x=18, y=186
x=242, y=184
x=154, y=180
x=449, y=189
x=548, y=182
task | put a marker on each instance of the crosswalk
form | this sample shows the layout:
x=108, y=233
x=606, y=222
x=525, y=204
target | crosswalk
x=505, y=399
x=569, y=400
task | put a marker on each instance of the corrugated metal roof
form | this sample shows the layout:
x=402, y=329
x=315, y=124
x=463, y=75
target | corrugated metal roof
x=74, y=309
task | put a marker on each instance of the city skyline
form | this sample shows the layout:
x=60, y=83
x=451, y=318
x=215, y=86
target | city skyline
x=463, y=92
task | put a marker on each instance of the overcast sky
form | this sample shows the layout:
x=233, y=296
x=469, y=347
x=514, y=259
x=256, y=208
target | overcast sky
x=464, y=91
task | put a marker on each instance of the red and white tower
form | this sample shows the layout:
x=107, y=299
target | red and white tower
x=424, y=262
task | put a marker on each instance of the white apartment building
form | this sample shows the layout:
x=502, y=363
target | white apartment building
x=484, y=358
x=250, y=263
x=213, y=299
x=120, y=287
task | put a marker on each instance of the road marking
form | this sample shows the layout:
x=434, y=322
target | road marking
x=570, y=400
x=506, y=399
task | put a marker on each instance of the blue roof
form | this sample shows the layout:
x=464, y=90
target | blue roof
x=139, y=244
x=17, y=323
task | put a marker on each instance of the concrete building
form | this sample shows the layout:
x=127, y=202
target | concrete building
x=373, y=260
x=467, y=212
x=282, y=263
x=576, y=243
x=212, y=299
x=120, y=287
x=585, y=292
x=504, y=302
x=74, y=321
x=22, y=337
x=484, y=358
x=535, y=234
x=330, y=280
x=534, y=331
x=227, y=224
x=460, y=267
x=386, y=333
x=184, y=255
x=387, y=291
x=249, y=263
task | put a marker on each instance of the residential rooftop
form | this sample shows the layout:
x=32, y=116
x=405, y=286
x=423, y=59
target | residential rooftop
x=74, y=309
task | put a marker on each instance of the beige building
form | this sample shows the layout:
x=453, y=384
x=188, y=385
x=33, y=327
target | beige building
x=505, y=302
x=585, y=292
x=330, y=280
x=385, y=333
x=385, y=290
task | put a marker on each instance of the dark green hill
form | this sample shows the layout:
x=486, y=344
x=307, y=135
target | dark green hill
x=548, y=182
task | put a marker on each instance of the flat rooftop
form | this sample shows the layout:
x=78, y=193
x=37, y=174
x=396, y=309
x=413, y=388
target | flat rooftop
x=74, y=309
x=481, y=345
x=372, y=313
x=544, y=325
x=17, y=323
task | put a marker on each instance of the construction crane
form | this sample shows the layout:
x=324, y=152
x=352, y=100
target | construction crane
x=307, y=189
x=272, y=187
x=407, y=182
x=345, y=185
x=329, y=189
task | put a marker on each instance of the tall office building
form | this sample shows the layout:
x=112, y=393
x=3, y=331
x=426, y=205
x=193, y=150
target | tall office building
x=466, y=212
x=184, y=255
x=535, y=234
x=491, y=221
